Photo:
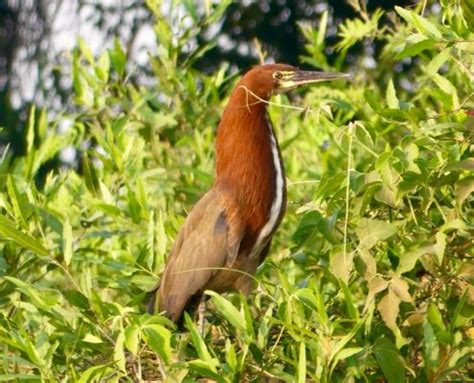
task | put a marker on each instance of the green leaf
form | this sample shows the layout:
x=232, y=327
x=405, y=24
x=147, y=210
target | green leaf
x=348, y=352
x=119, y=354
x=77, y=299
x=413, y=49
x=423, y=26
x=132, y=338
x=190, y=6
x=90, y=338
x=307, y=296
x=435, y=318
x=447, y=87
x=95, y=373
x=372, y=99
x=42, y=125
x=349, y=301
x=7, y=228
x=302, y=364
x=353, y=30
x=391, y=96
x=370, y=231
x=19, y=201
x=323, y=23
x=248, y=316
x=408, y=260
x=434, y=65
x=430, y=348
x=218, y=11
x=150, y=244
x=43, y=299
x=134, y=207
x=159, y=340
x=228, y=311
x=103, y=67
x=389, y=360
x=342, y=342
x=90, y=176
x=161, y=237
x=67, y=241
x=118, y=57
x=30, y=130
x=230, y=356
x=86, y=51
x=199, y=343
x=203, y=368
x=20, y=377
x=440, y=246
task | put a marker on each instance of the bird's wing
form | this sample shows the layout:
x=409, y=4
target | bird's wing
x=208, y=240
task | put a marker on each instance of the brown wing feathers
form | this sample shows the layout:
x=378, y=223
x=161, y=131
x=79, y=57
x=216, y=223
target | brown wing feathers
x=206, y=242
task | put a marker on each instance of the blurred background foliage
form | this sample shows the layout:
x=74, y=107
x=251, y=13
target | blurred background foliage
x=106, y=147
x=38, y=35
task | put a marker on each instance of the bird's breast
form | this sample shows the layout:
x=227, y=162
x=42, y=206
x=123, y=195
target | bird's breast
x=278, y=204
x=249, y=163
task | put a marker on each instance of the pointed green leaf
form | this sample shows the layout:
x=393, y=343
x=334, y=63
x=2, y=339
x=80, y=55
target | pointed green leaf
x=228, y=311
x=434, y=65
x=423, y=25
x=199, y=343
x=7, y=228
x=391, y=96
x=67, y=241
x=370, y=231
x=159, y=340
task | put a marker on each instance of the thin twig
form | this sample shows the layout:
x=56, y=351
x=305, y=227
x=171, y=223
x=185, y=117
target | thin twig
x=271, y=102
x=412, y=211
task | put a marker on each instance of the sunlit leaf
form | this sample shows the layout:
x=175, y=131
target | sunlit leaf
x=423, y=25
x=388, y=308
x=370, y=231
x=391, y=96
x=7, y=228
x=228, y=311
x=158, y=338
x=67, y=241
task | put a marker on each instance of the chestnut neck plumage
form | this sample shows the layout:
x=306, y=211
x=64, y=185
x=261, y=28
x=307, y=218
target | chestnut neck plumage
x=248, y=163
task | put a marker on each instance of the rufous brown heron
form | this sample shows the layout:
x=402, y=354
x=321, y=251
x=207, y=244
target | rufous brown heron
x=228, y=232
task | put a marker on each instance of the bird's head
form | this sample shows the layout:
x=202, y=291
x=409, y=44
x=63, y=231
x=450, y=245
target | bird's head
x=265, y=80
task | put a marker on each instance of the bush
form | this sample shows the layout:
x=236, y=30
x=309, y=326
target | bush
x=370, y=276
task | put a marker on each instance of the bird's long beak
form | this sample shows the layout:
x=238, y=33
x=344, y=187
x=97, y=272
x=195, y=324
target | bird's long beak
x=306, y=77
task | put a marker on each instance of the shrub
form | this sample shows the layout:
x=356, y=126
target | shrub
x=370, y=276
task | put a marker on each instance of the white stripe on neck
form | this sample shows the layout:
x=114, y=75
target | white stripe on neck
x=277, y=204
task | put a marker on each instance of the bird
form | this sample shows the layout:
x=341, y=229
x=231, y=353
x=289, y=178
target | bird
x=228, y=232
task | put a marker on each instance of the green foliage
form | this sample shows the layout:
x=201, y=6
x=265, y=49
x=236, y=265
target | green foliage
x=370, y=276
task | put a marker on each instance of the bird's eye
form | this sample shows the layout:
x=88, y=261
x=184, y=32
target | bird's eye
x=278, y=75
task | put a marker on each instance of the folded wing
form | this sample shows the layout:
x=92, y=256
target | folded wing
x=209, y=240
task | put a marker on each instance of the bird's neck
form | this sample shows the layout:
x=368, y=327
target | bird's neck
x=248, y=162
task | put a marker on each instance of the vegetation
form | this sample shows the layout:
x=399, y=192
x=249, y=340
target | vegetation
x=370, y=277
